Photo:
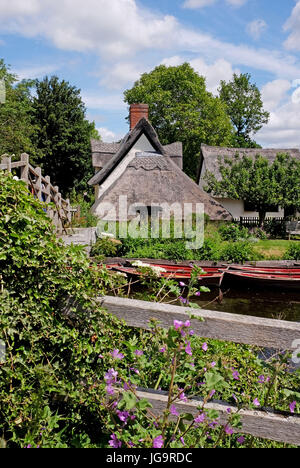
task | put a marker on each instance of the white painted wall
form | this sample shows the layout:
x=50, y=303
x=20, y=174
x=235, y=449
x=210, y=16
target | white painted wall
x=236, y=208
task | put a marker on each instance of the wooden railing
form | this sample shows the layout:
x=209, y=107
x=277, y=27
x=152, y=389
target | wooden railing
x=249, y=221
x=280, y=335
x=60, y=210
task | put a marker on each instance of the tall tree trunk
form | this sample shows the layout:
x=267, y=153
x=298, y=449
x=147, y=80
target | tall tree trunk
x=262, y=217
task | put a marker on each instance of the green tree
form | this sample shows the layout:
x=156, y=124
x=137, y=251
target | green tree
x=181, y=109
x=16, y=127
x=245, y=108
x=286, y=172
x=64, y=133
x=258, y=182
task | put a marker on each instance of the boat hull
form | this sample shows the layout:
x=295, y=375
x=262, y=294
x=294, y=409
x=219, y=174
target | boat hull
x=261, y=281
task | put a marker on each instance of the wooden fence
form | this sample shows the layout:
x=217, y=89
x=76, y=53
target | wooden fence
x=254, y=222
x=277, y=334
x=60, y=210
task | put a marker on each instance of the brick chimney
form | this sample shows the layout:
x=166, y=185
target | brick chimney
x=137, y=112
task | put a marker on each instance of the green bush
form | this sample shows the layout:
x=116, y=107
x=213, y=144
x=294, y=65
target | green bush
x=233, y=232
x=275, y=228
x=293, y=252
x=238, y=252
x=104, y=248
x=52, y=328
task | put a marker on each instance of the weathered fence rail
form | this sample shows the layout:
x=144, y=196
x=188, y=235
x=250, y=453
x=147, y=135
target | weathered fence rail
x=41, y=187
x=249, y=221
x=276, y=334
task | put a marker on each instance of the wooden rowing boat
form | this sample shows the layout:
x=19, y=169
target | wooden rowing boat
x=211, y=275
x=261, y=280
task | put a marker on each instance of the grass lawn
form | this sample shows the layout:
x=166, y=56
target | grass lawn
x=273, y=249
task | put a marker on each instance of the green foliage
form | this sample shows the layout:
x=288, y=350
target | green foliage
x=16, y=128
x=238, y=252
x=104, y=248
x=63, y=134
x=233, y=232
x=258, y=182
x=65, y=355
x=181, y=109
x=52, y=328
x=275, y=228
x=293, y=252
x=245, y=108
x=83, y=204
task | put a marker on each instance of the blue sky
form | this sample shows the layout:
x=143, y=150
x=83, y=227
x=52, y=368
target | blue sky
x=102, y=47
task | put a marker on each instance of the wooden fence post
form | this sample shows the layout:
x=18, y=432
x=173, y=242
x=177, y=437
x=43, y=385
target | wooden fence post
x=47, y=190
x=5, y=159
x=38, y=183
x=25, y=169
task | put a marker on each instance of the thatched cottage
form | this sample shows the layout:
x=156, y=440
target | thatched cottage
x=144, y=170
x=209, y=162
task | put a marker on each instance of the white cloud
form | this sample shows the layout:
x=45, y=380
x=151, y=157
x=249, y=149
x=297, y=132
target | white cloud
x=296, y=96
x=108, y=136
x=256, y=28
x=109, y=27
x=283, y=129
x=293, y=25
x=35, y=71
x=120, y=29
x=194, y=4
x=118, y=75
x=198, y=3
x=214, y=73
x=105, y=101
x=274, y=92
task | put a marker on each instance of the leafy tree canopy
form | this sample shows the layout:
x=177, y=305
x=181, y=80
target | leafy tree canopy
x=258, y=182
x=181, y=109
x=63, y=135
x=245, y=108
x=16, y=127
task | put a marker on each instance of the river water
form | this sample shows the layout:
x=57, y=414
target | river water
x=268, y=304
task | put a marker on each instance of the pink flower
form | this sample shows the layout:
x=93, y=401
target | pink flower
x=213, y=364
x=177, y=324
x=111, y=376
x=236, y=375
x=205, y=347
x=198, y=293
x=228, y=430
x=158, y=442
x=182, y=284
x=116, y=355
x=187, y=324
x=200, y=419
x=256, y=402
x=162, y=350
x=261, y=379
x=182, y=396
x=110, y=390
x=212, y=393
x=123, y=415
x=174, y=411
x=293, y=407
x=188, y=349
x=241, y=440
x=138, y=352
x=114, y=442
x=182, y=441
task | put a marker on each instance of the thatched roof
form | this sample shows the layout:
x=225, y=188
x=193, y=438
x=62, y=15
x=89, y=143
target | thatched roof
x=103, y=152
x=155, y=179
x=210, y=156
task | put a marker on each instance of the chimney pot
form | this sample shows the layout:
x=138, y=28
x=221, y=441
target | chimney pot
x=137, y=112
